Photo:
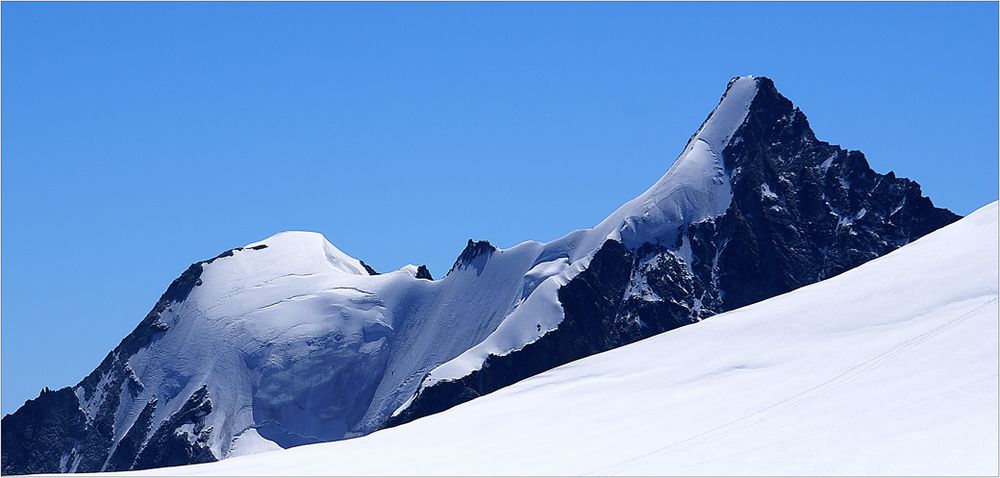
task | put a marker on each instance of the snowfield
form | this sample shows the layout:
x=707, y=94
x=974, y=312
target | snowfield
x=889, y=368
x=293, y=305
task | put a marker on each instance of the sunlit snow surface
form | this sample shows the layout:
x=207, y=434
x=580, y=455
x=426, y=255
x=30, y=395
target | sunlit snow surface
x=696, y=187
x=890, y=368
x=297, y=343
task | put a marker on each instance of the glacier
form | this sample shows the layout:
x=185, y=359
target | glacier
x=890, y=368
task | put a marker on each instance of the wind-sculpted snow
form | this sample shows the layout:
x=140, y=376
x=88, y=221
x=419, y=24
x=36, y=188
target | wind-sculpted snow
x=298, y=343
x=290, y=341
x=890, y=368
x=695, y=188
x=702, y=240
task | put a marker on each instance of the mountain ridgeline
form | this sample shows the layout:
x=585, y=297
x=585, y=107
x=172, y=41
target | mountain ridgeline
x=802, y=210
x=290, y=341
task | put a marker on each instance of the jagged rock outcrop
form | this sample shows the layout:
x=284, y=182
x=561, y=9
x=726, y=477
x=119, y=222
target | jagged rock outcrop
x=423, y=273
x=802, y=210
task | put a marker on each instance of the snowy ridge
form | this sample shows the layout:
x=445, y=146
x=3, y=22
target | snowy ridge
x=695, y=188
x=262, y=319
x=890, y=368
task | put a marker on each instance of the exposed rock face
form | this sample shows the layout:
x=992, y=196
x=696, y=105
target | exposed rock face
x=300, y=343
x=803, y=210
x=73, y=429
x=369, y=269
x=41, y=435
x=590, y=302
x=181, y=439
x=474, y=255
x=424, y=273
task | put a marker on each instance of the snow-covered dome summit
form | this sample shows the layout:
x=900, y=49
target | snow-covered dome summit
x=300, y=249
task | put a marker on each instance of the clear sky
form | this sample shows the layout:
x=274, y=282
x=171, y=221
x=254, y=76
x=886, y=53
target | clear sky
x=139, y=138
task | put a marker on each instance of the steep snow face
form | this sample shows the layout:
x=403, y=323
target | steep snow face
x=695, y=188
x=890, y=368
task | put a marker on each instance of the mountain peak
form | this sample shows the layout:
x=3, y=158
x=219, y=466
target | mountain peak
x=475, y=252
x=696, y=187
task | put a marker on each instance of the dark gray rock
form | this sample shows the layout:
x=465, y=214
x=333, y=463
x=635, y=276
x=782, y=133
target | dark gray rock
x=475, y=255
x=52, y=434
x=53, y=419
x=172, y=444
x=803, y=210
x=368, y=268
x=424, y=273
x=124, y=455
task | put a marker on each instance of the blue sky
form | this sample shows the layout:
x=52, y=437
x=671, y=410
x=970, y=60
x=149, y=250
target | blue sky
x=139, y=138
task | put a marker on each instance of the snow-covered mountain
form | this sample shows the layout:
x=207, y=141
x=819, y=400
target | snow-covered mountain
x=890, y=368
x=290, y=341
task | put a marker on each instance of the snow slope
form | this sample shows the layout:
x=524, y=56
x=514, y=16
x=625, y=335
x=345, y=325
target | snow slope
x=695, y=188
x=889, y=368
x=294, y=306
x=294, y=339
